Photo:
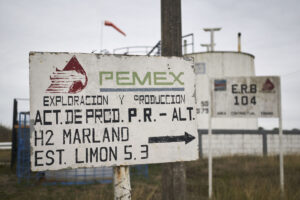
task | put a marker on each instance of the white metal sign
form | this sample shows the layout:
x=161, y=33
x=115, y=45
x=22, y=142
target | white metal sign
x=89, y=110
x=250, y=97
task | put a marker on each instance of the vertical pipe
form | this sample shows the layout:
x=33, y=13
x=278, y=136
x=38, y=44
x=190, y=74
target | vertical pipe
x=193, y=42
x=212, y=42
x=184, y=47
x=14, y=135
x=210, y=144
x=20, y=164
x=122, y=188
x=209, y=160
x=281, y=161
x=239, y=42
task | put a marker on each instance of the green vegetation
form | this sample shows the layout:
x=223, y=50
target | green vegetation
x=5, y=134
x=235, y=178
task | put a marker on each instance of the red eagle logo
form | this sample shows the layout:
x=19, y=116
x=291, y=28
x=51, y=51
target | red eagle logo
x=72, y=79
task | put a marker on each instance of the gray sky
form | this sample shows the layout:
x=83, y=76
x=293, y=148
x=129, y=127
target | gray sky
x=270, y=31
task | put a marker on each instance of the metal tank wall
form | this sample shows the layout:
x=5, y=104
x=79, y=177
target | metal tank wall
x=218, y=65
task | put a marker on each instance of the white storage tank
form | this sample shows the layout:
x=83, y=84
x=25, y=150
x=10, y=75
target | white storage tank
x=219, y=64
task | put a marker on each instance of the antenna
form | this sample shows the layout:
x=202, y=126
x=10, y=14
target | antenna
x=212, y=30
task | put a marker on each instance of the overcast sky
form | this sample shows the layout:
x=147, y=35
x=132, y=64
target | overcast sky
x=270, y=31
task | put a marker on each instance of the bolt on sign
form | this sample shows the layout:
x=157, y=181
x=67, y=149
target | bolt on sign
x=248, y=97
x=90, y=110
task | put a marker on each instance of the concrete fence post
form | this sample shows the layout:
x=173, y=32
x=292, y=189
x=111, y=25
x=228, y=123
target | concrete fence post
x=200, y=144
x=264, y=142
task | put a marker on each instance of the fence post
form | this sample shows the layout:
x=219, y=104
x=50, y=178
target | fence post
x=264, y=141
x=200, y=144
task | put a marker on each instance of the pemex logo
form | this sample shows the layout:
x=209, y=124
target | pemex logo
x=71, y=79
x=268, y=86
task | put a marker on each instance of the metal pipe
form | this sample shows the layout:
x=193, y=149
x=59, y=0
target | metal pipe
x=239, y=42
x=281, y=156
x=14, y=149
x=212, y=43
x=192, y=35
x=210, y=159
x=184, y=47
x=193, y=43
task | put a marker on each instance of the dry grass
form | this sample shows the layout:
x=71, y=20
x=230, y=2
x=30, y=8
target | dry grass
x=235, y=178
x=245, y=178
x=5, y=156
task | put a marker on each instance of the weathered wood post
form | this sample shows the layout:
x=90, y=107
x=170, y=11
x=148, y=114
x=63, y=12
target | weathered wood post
x=122, y=188
x=173, y=177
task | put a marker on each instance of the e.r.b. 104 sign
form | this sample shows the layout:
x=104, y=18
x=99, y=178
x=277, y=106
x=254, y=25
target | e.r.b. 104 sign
x=249, y=97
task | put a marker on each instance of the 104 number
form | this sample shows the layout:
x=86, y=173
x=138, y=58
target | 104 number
x=244, y=100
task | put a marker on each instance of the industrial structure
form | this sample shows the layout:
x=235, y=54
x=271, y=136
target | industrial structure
x=209, y=64
x=218, y=64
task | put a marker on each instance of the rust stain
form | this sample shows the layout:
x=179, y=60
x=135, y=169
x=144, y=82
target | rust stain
x=118, y=172
x=22, y=126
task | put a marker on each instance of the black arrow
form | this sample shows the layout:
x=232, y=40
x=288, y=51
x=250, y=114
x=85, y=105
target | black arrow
x=166, y=139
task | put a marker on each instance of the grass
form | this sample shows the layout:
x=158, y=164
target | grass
x=5, y=156
x=245, y=178
x=234, y=178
